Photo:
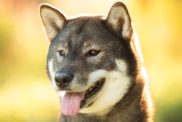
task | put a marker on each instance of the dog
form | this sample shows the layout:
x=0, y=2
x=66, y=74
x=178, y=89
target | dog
x=95, y=64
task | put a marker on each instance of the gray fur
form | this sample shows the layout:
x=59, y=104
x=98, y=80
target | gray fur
x=113, y=37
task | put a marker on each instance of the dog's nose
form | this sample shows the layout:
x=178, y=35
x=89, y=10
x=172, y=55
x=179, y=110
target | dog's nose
x=63, y=79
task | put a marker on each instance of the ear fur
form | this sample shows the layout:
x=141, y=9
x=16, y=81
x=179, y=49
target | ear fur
x=52, y=19
x=119, y=20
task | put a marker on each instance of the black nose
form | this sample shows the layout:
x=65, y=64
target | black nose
x=63, y=79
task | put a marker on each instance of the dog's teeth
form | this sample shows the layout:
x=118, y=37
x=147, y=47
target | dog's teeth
x=90, y=89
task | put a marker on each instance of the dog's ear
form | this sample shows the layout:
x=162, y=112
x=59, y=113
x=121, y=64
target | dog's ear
x=52, y=19
x=118, y=19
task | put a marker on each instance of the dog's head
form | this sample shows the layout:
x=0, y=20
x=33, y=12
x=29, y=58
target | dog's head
x=90, y=59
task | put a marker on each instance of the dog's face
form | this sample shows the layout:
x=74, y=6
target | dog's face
x=88, y=57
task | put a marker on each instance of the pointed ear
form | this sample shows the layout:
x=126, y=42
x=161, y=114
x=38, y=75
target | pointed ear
x=52, y=19
x=119, y=20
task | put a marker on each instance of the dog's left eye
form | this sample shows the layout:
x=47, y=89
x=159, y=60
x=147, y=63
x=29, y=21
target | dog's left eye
x=61, y=52
x=92, y=52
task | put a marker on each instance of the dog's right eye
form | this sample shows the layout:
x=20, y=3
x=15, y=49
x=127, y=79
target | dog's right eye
x=92, y=52
x=61, y=53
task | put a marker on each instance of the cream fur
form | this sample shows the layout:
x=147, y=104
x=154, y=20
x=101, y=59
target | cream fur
x=52, y=73
x=114, y=89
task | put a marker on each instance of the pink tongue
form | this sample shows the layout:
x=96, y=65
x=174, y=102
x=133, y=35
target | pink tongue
x=71, y=103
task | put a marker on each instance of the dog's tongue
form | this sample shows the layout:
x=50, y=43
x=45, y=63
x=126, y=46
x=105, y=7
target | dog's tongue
x=71, y=103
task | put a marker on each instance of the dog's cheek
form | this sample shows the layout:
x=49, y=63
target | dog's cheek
x=51, y=71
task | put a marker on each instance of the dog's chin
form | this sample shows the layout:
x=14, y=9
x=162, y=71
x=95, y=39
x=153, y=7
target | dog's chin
x=91, y=93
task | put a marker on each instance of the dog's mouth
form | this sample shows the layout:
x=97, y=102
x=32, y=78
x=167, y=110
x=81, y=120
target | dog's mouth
x=92, y=91
x=73, y=101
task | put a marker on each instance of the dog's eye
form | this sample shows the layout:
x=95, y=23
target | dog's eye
x=61, y=52
x=92, y=52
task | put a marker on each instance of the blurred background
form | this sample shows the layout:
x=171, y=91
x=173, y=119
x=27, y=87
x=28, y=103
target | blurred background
x=26, y=94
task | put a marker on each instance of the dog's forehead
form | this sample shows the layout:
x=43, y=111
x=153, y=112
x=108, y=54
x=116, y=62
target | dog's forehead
x=83, y=30
x=85, y=24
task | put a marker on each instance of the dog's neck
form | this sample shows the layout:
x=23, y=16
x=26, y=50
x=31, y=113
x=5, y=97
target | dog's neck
x=130, y=107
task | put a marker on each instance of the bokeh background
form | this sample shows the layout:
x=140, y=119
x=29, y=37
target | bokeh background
x=26, y=94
